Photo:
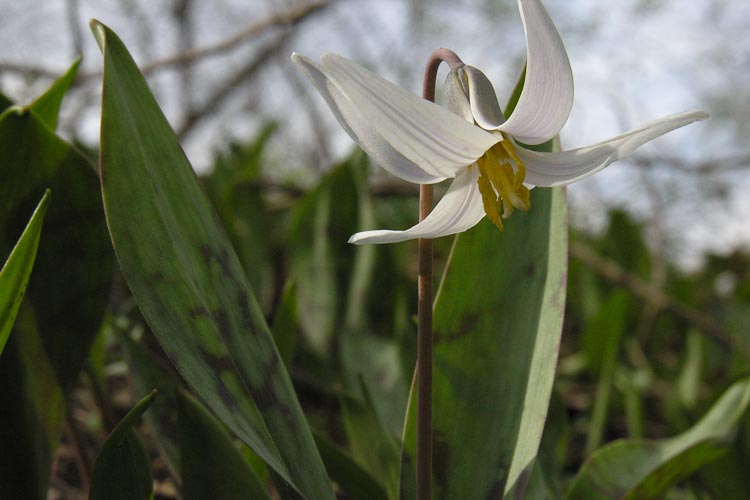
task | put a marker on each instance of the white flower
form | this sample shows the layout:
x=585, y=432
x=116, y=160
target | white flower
x=472, y=142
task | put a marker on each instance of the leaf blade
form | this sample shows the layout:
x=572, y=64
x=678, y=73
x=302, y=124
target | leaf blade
x=495, y=351
x=188, y=281
x=122, y=470
x=15, y=274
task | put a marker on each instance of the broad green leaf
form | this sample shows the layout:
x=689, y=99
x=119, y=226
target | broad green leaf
x=15, y=273
x=75, y=254
x=65, y=298
x=350, y=476
x=47, y=105
x=371, y=444
x=212, y=466
x=644, y=470
x=497, y=324
x=232, y=188
x=122, y=470
x=188, y=282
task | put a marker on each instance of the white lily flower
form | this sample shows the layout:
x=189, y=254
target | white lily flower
x=472, y=142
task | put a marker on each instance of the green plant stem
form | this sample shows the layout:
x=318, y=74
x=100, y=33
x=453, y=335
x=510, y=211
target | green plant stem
x=424, y=307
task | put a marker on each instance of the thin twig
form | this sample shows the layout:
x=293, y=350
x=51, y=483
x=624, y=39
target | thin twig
x=229, y=86
x=286, y=18
x=71, y=12
x=281, y=19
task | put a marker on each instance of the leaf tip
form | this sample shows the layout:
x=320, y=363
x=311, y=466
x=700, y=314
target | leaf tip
x=100, y=32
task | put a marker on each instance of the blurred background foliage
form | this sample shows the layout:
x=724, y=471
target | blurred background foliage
x=658, y=313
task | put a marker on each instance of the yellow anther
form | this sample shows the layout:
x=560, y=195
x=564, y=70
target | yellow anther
x=489, y=198
x=501, y=176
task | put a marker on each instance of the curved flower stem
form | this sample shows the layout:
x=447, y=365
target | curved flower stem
x=424, y=307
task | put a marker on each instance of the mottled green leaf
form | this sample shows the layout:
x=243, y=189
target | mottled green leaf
x=15, y=273
x=65, y=298
x=212, y=466
x=646, y=470
x=47, y=105
x=122, y=470
x=233, y=189
x=496, y=342
x=188, y=281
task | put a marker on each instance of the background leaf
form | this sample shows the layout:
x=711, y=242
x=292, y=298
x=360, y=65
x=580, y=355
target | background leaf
x=212, y=466
x=122, y=468
x=66, y=295
x=188, y=281
x=643, y=470
x=495, y=352
x=14, y=275
x=47, y=105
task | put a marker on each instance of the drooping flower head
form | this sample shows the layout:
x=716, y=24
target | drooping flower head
x=471, y=141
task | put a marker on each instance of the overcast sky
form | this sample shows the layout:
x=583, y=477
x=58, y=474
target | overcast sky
x=633, y=61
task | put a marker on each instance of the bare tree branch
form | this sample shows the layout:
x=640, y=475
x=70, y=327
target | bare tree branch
x=282, y=19
x=74, y=26
x=212, y=102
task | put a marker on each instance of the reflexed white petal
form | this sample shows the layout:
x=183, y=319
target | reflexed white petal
x=429, y=135
x=460, y=209
x=360, y=130
x=547, y=96
x=455, y=98
x=484, y=105
x=565, y=167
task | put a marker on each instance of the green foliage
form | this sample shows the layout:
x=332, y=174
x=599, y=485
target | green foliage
x=213, y=467
x=649, y=399
x=188, y=281
x=66, y=294
x=121, y=470
x=648, y=469
x=14, y=275
x=495, y=348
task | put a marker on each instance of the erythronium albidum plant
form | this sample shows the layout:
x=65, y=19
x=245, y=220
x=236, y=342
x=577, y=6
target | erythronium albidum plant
x=472, y=142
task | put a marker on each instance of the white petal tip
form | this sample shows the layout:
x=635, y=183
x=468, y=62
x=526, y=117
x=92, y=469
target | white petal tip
x=701, y=115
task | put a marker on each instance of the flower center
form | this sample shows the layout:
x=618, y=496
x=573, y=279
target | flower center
x=501, y=175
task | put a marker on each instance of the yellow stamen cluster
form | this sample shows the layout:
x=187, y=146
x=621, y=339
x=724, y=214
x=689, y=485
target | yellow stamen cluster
x=501, y=175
